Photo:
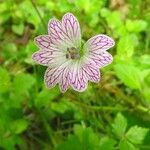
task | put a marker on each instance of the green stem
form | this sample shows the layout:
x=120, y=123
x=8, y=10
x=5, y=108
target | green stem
x=131, y=101
x=147, y=41
x=43, y=119
x=47, y=127
x=103, y=108
x=143, y=109
x=146, y=147
x=39, y=15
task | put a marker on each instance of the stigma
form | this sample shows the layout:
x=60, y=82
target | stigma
x=72, y=53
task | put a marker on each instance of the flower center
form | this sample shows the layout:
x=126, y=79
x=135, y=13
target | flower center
x=72, y=53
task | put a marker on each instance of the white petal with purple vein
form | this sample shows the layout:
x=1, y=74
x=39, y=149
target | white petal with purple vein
x=96, y=50
x=53, y=75
x=71, y=27
x=98, y=43
x=78, y=78
x=58, y=36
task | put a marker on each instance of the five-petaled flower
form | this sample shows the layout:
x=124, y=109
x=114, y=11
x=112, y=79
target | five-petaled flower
x=70, y=64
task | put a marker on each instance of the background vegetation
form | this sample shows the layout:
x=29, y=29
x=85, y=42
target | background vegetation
x=111, y=115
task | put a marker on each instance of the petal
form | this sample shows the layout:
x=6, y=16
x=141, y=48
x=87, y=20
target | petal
x=98, y=44
x=100, y=60
x=92, y=73
x=71, y=27
x=95, y=50
x=54, y=28
x=47, y=58
x=78, y=78
x=42, y=57
x=64, y=80
x=58, y=35
x=53, y=75
x=43, y=41
x=49, y=54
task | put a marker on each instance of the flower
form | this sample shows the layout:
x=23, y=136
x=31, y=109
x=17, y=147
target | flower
x=69, y=63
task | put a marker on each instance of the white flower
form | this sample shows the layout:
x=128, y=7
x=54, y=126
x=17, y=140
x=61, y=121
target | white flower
x=70, y=64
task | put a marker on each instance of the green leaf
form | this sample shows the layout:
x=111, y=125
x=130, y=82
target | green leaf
x=59, y=107
x=30, y=16
x=107, y=143
x=4, y=80
x=105, y=12
x=90, y=7
x=113, y=18
x=135, y=8
x=136, y=134
x=83, y=139
x=122, y=31
x=18, y=29
x=9, y=142
x=45, y=97
x=136, y=25
x=64, y=6
x=10, y=50
x=18, y=126
x=146, y=95
x=129, y=75
x=29, y=50
x=62, y=106
x=144, y=60
x=125, y=46
x=23, y=82
x=126, y=145
x=88, y=138
x=5, y=14
x=72, y=143
x=119, y=125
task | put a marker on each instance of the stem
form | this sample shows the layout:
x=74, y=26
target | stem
x=131, y=101
x=147, y=41
x=47, y=128
x=145, y=147
x=39, y=15
x=103, y=108
x=43, y=118
x=143, y=109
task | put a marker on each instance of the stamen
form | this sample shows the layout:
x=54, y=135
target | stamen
x=67, y=55
x=72, y=53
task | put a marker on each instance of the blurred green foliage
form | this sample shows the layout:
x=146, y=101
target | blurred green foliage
x=112, y=115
